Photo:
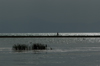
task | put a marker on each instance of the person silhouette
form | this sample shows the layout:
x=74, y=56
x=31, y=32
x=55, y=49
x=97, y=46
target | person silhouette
x=57, y=34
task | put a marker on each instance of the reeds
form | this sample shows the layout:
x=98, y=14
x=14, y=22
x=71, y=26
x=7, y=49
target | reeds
x=39, y=46
x=23, y=47
x=20, y=47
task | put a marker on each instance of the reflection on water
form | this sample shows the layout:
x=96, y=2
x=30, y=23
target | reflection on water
x=65, y=52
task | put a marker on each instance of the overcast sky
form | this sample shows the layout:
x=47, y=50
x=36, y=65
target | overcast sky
x=36, y=16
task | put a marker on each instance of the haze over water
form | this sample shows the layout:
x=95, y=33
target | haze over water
x=49, y=34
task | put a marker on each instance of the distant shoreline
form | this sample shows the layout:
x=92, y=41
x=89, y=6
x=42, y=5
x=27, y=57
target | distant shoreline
x=47, y=36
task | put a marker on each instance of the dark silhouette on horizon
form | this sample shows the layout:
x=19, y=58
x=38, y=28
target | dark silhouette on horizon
x=57, y=34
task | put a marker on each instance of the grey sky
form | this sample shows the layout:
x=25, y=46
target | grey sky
x=49, y=16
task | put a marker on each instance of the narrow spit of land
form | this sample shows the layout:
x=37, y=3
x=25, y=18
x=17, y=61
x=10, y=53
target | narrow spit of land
x=48, y=36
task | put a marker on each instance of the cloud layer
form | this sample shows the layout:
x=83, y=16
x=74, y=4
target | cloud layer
x=49, y=15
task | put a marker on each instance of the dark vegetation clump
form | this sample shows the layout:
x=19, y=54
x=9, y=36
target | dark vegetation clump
x=36, y=46
x=39, y=46
x=20, y=47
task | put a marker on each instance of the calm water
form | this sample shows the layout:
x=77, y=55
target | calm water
x=66, y=52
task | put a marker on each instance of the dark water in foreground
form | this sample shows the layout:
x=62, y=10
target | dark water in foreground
x=66, y=52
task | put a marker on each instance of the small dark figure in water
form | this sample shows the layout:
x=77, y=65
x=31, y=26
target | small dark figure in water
x=50, y=48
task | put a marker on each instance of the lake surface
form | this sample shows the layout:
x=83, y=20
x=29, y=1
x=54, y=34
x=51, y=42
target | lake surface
x=65, y=52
